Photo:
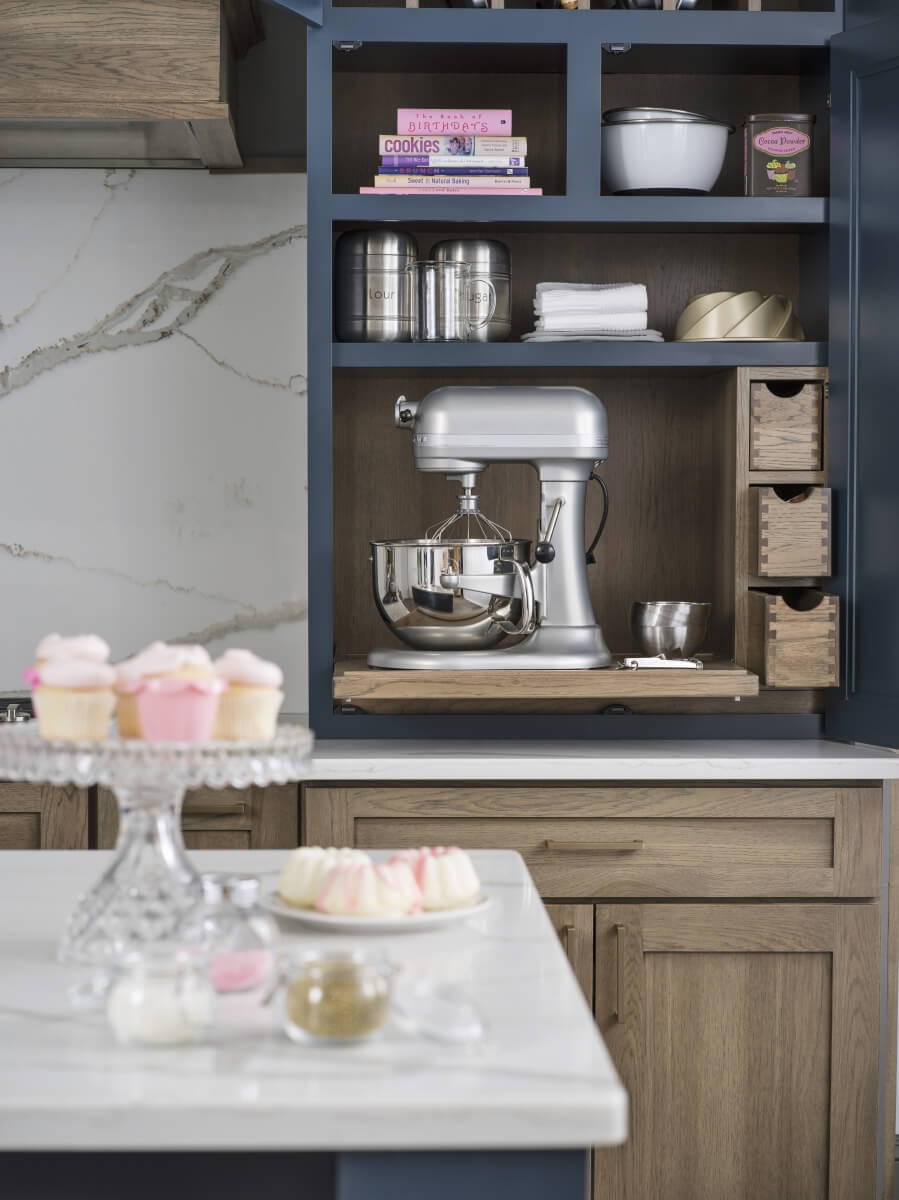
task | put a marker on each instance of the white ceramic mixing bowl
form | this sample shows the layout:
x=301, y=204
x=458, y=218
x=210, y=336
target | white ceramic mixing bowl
x=663, y=156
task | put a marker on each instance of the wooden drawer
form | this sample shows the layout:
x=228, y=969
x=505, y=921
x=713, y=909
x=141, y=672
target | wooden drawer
x=786, y=426
x=630, y=841
x=794, y=647
x=223, y=818
x=790, y=531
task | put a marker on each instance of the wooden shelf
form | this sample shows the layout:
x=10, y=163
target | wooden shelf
x=744, y=213
x=640, y=355
x=354, y=680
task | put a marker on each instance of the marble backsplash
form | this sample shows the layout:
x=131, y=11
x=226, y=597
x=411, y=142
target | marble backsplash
x=153, y=412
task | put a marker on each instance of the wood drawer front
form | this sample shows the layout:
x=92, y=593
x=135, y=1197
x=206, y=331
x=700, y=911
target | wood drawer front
x=785, y=432
x=790, y=537
x=631, y=842
x=790, y=648
x=251, y=818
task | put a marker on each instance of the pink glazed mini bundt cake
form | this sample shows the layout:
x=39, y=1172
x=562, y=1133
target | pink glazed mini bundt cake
x=370, y=890
x=445, y=876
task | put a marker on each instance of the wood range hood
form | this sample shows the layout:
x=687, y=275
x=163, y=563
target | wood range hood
x=122, y=83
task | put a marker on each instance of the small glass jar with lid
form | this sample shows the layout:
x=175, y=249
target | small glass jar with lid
x=237, y=937
x=336, y=996
x=163, y=997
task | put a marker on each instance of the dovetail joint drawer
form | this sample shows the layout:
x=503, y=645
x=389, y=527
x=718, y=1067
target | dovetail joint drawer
x=794, y=648
x=622, y=841
x=790, y=535
x=785, y=432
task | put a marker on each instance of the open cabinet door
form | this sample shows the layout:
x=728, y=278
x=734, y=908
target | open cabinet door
x=864, y=370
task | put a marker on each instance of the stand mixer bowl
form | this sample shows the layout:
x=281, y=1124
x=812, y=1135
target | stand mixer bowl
x=415, y=593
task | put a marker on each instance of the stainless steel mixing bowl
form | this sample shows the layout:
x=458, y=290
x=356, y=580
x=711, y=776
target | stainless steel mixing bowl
x=672, y=627
x=446, y=595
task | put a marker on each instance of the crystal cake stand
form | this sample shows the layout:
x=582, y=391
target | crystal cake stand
x=144, y=893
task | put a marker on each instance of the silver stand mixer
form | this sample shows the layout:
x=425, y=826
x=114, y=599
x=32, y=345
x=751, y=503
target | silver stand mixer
x=453, y=595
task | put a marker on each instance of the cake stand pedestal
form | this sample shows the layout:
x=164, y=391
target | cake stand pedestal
x=143, y=895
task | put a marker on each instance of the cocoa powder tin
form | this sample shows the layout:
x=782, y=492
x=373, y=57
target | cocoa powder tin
x=777, y=154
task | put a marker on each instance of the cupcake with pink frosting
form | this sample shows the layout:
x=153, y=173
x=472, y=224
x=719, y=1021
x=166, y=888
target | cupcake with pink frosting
x=74, y=698
x=249, y=708
x=86, y=646
x=167, y=693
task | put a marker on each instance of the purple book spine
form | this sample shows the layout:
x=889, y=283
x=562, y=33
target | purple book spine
x=394, y=170
x=394, y=161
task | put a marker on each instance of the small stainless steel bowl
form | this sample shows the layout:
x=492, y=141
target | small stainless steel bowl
x=426, y=613
x=672, y=627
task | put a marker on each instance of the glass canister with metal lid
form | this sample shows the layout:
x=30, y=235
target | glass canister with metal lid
x=372, y=289
x=491, y=277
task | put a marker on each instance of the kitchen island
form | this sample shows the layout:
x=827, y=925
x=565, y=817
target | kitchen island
x=509, y=1116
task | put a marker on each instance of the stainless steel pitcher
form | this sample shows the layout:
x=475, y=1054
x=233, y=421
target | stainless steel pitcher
x=491, y=278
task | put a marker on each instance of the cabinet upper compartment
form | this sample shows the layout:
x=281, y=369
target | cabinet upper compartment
x=121, y=82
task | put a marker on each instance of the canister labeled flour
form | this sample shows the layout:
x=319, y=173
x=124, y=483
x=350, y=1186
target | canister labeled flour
x=777, y=154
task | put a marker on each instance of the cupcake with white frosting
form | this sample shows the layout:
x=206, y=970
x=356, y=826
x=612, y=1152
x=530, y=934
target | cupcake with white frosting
x=74, y=699
x=250, y=706
x=158, y=661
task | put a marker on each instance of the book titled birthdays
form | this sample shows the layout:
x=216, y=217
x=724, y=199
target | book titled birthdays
x=475, y=121
x=462, y=151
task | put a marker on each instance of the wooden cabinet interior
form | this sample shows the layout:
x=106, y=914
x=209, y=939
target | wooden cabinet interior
x=370, y=84
x=673, y=265
x=680, y=523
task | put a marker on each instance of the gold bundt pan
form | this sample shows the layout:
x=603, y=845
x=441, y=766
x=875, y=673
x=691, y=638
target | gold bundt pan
x=740, y=317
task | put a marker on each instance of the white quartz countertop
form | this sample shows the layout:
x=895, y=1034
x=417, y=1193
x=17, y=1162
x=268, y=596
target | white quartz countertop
x=541, y=1078
x=557, y=762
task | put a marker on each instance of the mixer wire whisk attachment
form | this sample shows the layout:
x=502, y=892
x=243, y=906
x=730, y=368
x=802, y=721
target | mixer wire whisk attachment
x=468, y=524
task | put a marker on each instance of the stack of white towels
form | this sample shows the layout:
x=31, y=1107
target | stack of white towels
x=591, y=312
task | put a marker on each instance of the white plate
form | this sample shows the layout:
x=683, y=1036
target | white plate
x=347, y=924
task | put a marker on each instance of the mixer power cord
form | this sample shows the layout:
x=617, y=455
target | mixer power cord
x=591, y=557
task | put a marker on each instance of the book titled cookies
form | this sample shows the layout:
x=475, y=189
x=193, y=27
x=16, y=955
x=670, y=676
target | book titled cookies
x=458, y=145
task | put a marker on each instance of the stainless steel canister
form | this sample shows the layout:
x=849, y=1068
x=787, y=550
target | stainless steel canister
x=372, y=289
x=489, y=263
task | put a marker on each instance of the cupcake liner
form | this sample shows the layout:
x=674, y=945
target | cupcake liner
x=177, y=714
x=127, y=715
x=248, y=713
x=73, y=716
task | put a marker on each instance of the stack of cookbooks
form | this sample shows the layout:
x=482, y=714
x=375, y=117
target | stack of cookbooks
x=462, y=151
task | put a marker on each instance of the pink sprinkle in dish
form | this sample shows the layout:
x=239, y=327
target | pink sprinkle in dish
x=240, y=970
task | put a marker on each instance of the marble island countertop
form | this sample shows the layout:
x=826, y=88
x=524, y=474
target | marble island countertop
x=541, y=1078
x=448, y=762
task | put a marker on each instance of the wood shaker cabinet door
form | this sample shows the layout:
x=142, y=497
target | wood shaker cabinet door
x=747, y=1037
x=40, y=817
x=574, y=925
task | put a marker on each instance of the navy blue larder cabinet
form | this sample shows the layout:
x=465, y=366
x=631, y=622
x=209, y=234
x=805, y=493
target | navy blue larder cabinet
x=560, y=70
x=864, y=370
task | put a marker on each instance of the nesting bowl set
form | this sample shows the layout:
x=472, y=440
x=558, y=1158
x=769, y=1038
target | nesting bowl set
x=662, y=151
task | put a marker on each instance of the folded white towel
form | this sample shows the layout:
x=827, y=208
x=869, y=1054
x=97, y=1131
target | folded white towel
x=593, y=297
x=619, y=322
x=643, y=335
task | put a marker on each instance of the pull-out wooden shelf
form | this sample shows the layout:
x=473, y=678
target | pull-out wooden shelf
x=354, y=680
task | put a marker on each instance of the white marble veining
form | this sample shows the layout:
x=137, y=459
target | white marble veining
x=542, y=1076
x=556, y=762
x=153, y=412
